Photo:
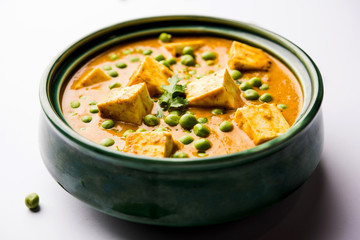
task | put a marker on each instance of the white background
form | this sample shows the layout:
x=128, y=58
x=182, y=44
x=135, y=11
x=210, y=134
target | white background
x=33, y=32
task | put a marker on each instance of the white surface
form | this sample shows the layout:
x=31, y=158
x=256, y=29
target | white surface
x=33, y=32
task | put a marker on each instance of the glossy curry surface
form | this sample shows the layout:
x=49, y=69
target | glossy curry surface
x=283, y=86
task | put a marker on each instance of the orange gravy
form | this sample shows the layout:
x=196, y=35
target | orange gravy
x=284, y=88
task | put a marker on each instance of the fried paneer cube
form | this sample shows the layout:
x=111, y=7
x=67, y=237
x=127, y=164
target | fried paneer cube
x=177, y=47
x=153, y=144
x=261, y=122
x=215, y=90
x=94, y=76
x=153, y=73
x=128, y=104
x=245, y=57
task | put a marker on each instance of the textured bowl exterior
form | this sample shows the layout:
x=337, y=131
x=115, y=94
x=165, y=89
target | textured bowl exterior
x=161, y=192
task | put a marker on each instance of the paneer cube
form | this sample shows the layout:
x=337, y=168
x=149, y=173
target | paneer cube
x=245, y=57
x=177, y=47
x=261, y=122
x=153, y=73
x=215, y=90
x=95, y=76
x=153, y=144
x=128, y=104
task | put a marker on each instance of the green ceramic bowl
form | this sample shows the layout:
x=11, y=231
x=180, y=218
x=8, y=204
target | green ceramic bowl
x=177, y=192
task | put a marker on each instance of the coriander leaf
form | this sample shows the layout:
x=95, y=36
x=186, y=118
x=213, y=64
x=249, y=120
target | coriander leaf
x=178, y=102
x=179, y=90
x=174, y=88
x=174, y=94
x=159, y=112
x=173, y=81
x=164, y=99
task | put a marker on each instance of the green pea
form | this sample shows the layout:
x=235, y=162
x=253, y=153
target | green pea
x=187, y=60
x=94, y=110
x=160, y=129
x=202, y=154
x=75, y=104
x=138, y=50
x=201, y=130
x=202, y=120
x=114, y=85
x=107, y=142
x=159, y=57
x=134, y=59
x=121, y=65
x=172, y=61
x=197, y=65
x=226, y=126
x=266, y=97
x=180, y=155
x=187, y=121
x=151, y=120
x=113, y=73
x=189, y=112
x=245, y=86
x=176, y=112
x=92, y=103
x=264, y=86
x=251, y=94
x=165, y=37
x=186, y=139
x=113, y=56
x=210, y=62
x=200, y=76
x=208, y=56
x=217, y=111
x=147, y=52
x=172, y=119
x=192, y=72
x=86, y=119
x=32, y=201
x=235, y=74
x=202, y=144
x=127, y=132
x=141, y=130
x=188, y=51
x=282, y=106
x=127, y=51
x=107, y=124
x=255, y=81
x=107, y=67
x=165, y=63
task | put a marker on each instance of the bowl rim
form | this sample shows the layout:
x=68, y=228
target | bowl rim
x=118, y=158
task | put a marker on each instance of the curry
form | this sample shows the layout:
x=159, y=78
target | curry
x=182, y=97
